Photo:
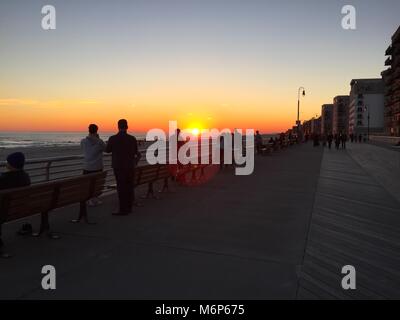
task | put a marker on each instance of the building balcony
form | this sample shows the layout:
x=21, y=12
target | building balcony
x=389, y=51
x=388, y=61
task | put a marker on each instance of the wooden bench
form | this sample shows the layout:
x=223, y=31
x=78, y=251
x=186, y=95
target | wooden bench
x=44, y=197
x=194, y=168
x=149, y=174
x=266, y=148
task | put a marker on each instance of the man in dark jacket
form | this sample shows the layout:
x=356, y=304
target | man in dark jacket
x=125, y=155
x=15, y=176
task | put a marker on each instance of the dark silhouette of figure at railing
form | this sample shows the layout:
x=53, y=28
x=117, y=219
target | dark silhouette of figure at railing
x=125, y=156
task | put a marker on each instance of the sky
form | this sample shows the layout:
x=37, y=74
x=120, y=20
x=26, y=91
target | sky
x=207, y=64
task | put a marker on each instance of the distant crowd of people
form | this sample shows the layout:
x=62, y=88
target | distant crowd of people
x=339, y=139
x=275, y=141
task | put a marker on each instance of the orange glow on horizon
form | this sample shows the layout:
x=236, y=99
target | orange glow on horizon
x=31, y=115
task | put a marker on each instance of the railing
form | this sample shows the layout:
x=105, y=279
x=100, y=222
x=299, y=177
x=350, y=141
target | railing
x=47, y=169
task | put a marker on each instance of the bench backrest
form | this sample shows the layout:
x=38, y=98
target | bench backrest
x=27, y=201
x=151, y=173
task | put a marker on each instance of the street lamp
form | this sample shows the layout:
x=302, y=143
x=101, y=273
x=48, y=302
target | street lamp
x=303, y=91
x=298, y=102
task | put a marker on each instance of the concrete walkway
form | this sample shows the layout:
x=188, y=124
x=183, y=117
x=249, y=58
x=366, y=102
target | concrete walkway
x=233, y=237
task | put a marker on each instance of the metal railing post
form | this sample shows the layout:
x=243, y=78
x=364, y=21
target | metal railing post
x=48, y=165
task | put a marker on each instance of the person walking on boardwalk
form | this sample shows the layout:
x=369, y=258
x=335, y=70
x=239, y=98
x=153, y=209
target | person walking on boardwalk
x=337, y=141
x=93, y=147
x=125, y=156
x=330, y=139
x=343, y=139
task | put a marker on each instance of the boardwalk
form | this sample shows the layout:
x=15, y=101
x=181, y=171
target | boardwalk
x=283, y=232
x=355, y=221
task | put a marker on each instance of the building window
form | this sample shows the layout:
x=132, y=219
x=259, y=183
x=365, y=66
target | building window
x=359, y=123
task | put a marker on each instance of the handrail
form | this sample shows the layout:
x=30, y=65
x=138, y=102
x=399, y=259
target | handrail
x=52, y=168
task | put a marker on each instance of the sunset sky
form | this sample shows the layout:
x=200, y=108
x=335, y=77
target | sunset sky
x=209, y=64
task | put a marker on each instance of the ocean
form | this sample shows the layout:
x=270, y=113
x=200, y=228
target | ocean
x=46, y=139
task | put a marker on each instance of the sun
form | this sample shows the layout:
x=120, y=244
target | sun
x=195, y=131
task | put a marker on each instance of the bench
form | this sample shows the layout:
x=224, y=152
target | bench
x=266, y=148
x=44, y=197
x=183, y=170
x=149, y=174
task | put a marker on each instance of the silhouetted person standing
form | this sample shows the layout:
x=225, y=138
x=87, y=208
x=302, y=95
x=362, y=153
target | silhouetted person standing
x=125, y=156
x=330, y=139
x=337, y=141
x=92, y=147
x=259, y=142
x=343, y=139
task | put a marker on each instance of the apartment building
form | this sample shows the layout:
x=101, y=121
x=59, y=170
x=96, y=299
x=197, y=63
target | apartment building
x=366, y=107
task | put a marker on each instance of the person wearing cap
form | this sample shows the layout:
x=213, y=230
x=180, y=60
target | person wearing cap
x=15, y=176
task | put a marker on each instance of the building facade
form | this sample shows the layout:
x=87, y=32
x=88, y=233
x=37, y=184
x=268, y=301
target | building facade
x=312, y=126
x=366, y=107
x=391, y=77
x=327, y=119
x=340, y=115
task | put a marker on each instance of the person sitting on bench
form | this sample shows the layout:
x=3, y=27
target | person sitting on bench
x=15, y=176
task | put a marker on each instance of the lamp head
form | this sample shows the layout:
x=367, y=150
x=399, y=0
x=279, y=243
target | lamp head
x=304, y=93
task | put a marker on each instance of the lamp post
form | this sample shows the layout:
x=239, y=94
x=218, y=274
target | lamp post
x=298, y=107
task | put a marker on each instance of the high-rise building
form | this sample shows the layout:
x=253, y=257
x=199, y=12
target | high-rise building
x=366, y=108
x=340, y=117
x=327, y=119
x=391, y=77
